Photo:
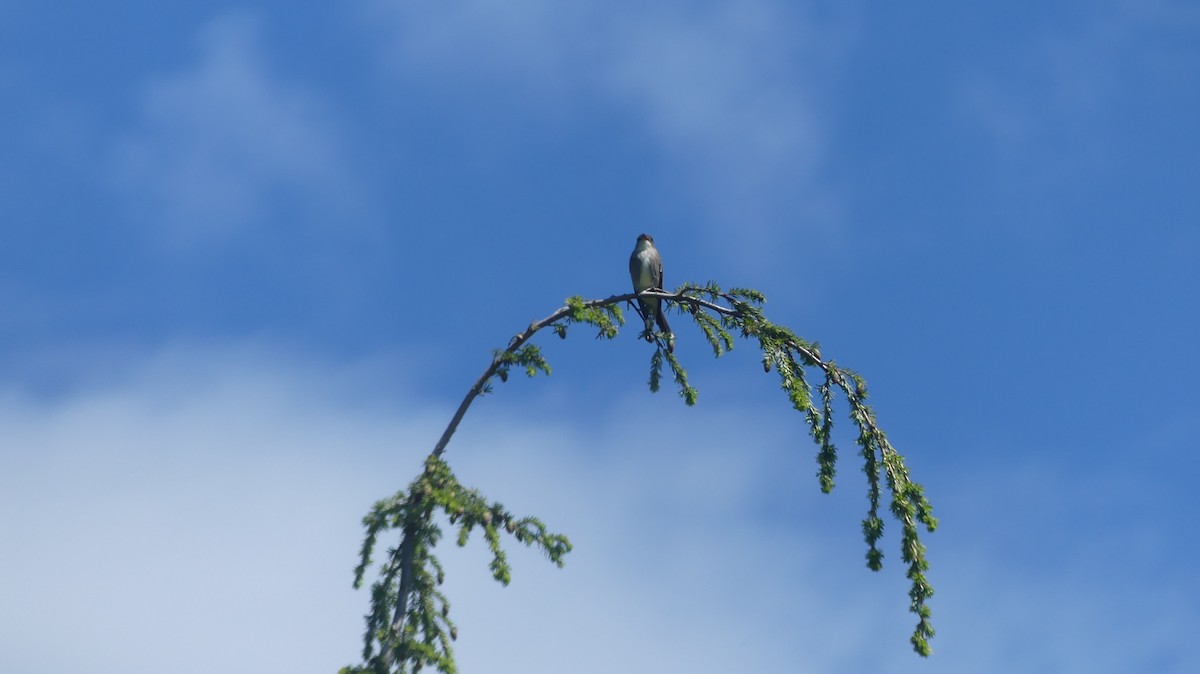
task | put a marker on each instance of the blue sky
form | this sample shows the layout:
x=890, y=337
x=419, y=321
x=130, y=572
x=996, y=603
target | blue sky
x=252, y=256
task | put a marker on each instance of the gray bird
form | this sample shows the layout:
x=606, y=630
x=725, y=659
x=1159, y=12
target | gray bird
x=646, y=270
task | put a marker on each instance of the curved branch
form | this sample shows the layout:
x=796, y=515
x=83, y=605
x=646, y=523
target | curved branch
x=514, y=344
x=908, y=505
x=520, y=339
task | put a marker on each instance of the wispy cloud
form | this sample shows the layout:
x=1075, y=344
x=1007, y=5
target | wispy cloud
x=729, y=93
x=227, y=144
x=1051, y=107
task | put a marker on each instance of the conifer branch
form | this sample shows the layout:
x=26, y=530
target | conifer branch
x=409, y=618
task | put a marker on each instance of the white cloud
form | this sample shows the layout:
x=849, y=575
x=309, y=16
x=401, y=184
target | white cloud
x=202, y=508
x=206, y=504
x=201, y=517
x=730, y=93
x=220, y=146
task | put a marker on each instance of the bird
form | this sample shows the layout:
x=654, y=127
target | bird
x=646, y=270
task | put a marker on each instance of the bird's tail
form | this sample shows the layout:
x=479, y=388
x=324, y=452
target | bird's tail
x=665, y=329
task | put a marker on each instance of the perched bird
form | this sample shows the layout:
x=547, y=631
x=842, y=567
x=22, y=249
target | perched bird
x=646, y=270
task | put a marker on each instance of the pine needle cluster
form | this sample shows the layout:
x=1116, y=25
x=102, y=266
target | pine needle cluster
x=410, y=617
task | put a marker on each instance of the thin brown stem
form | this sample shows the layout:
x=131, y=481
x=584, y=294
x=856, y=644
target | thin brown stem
x=516, y=343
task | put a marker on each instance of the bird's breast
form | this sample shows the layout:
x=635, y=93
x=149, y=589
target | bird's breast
x=644, y=278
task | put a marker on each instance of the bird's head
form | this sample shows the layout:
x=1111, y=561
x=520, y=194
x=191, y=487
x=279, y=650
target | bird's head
x=644, y=240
